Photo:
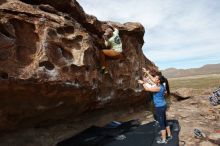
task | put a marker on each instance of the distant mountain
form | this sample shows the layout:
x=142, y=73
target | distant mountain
x=206, y=69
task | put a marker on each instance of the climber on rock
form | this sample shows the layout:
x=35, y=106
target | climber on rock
x=113, y=46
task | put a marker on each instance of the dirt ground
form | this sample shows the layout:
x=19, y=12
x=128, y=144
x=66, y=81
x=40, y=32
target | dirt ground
x=192, y=113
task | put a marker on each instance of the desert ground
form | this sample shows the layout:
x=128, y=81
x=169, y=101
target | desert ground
x=196, y=111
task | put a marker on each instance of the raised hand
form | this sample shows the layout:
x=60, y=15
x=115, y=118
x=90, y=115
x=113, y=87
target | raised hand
x=105, y=37
x=140, y=82
x=144, y=69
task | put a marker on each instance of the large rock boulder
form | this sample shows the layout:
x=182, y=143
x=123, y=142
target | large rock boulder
x=183, y=93
x=50, y=66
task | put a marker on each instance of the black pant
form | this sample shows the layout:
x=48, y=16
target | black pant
x=161, y=116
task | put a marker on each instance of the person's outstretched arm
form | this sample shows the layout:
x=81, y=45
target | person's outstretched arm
x=148, y=74
x=152, y=89
x=115, y=30
x=110, y=25
x=106, y=43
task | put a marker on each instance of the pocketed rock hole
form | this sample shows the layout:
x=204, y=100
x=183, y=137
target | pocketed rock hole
x=66, y=54
x=75, y=43
x=3, y=75
x=66, y=29
x=3, y=56
x=26, y=40
x=48, y=65
x=3, y=30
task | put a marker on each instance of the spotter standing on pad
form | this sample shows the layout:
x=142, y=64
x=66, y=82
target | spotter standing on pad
x=160, y=106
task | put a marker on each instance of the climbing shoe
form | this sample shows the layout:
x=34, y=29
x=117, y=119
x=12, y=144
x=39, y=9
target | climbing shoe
x=161, y=141
x=169, y=138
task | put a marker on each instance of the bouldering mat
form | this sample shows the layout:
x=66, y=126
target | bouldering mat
x=127, y=134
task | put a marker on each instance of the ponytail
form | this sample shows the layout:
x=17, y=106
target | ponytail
x=167, y=86
x=164, y=80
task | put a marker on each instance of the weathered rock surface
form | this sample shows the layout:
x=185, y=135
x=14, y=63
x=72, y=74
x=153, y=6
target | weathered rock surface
x=49, y=64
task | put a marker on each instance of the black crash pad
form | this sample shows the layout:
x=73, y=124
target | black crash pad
x=133, y=133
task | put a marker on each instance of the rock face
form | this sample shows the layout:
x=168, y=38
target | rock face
x=50, y=66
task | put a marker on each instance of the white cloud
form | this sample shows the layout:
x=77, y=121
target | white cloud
x=176, y=30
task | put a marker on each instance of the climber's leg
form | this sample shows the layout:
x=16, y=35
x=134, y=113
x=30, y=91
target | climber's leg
x=111, y=53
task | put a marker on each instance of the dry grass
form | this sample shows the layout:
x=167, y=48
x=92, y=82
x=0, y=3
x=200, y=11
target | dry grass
x=199, y=83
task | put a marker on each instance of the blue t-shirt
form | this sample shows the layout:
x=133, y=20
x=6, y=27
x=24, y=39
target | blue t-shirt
x=158, y=97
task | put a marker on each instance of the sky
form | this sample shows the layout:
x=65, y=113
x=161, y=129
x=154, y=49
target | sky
x=178, y=33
